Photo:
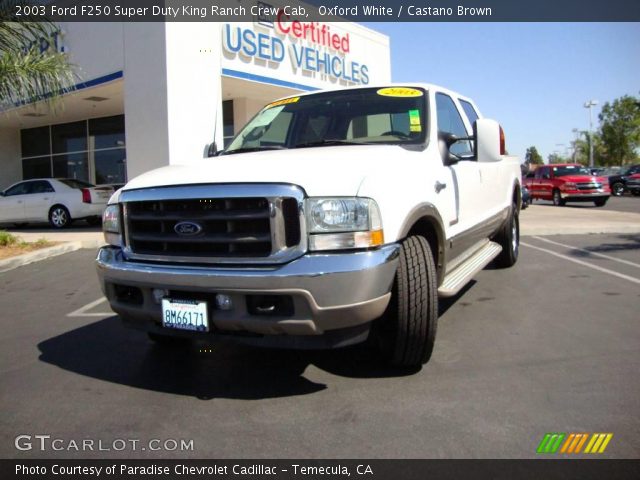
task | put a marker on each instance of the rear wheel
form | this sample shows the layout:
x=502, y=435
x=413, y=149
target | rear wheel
x=601, y=202
x=509, y=240
x=407, y=331
x=617, y=189
x=59, y=217
x=557, y=198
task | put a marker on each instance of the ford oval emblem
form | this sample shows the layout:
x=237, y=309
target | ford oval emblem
x=187, y=228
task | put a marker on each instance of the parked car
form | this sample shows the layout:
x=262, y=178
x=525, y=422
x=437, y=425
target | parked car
x=633, y=184
x=567, y=182
x=59, y=201
x=618, y=183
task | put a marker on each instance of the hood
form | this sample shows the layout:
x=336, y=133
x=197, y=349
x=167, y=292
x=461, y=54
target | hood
x=321, y=171
x=581, y=179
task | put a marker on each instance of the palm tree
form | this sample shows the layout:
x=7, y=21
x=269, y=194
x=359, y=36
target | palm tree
x=26, y=73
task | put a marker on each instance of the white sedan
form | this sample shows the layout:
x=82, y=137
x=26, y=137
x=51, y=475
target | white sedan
x=56, y=200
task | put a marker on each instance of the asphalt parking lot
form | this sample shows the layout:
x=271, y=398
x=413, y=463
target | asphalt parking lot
x=551, y=345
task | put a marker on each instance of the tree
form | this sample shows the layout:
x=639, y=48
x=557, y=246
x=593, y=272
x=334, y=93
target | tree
x=620, y=130
x=533, y=157
x=557, y=158
x=581, y=149
x=29, y=72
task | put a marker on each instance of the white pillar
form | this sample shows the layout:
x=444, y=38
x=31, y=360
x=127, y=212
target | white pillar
x=172, y=93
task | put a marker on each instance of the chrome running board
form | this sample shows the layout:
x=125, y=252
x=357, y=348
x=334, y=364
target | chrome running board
x=460, y=276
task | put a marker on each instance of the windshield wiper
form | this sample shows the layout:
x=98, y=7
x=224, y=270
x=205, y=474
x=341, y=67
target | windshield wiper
x=330, y=141
x=253, y=149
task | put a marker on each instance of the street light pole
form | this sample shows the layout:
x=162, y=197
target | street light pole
x=588, y=105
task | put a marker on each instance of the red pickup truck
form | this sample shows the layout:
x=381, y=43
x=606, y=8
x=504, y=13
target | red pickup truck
x=567, y=182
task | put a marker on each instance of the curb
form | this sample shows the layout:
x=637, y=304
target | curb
x=42, y=254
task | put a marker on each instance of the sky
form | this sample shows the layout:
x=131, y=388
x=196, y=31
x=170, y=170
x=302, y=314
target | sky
x=533, y=78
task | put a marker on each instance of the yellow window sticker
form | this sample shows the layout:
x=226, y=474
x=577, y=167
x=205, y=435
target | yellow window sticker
x=415, y=128
x=284, y=101
x=399, y=92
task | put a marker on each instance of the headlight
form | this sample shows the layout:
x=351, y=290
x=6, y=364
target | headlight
x=339, y=223
x=111, y=224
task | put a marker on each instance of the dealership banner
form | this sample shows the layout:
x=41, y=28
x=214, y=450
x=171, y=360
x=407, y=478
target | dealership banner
x=327, y=10
x=327, y=469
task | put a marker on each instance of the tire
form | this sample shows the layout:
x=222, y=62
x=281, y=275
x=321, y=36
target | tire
x=168, y=340
x=94, y=221
x=509, y=240
x=601, y=202
x=617, y=189
x=557, y=198
x=59, y=217
x=407, y=331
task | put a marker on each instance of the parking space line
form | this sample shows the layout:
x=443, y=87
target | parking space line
x=608, y=257
x=586, y=264
x=82, y=311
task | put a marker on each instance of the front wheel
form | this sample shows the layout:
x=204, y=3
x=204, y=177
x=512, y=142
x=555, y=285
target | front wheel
x=557, y=199
x=59, y=217
x=509, y=240
x=407, y=330
x=617, y=189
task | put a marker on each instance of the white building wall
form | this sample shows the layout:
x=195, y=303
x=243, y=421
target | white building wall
x=172, y=93
x=96, y=48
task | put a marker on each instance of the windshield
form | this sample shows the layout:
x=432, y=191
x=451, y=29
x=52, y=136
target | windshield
x=570, y=170
x=360, y=116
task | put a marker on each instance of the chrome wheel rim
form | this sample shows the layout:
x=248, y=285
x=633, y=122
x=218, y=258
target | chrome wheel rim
x=59, y=217
x=514, y=236
x=618, y=189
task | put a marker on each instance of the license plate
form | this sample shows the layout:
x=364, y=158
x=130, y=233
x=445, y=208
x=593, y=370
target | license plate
x=185, y=315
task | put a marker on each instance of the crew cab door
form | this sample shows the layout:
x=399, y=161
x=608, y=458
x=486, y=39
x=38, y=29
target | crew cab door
x=542, y=183
x=467, y=184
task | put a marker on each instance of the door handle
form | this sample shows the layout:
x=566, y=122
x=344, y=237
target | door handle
x=439, y=186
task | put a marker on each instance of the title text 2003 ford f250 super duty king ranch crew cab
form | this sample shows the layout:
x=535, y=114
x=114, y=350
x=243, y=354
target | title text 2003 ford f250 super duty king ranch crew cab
x=332, y=218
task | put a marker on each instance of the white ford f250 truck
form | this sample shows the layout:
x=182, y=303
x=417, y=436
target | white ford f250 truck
x=332, y=218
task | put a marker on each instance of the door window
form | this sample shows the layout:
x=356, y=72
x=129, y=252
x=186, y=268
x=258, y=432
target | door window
x=41, y=186
x=19, y=189
x=450, y=121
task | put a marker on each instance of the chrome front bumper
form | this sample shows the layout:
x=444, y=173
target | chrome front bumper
x=329, y=291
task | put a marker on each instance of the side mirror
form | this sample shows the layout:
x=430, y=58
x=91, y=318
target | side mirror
x=447, y=140
x=489, y=140
x=211, y=150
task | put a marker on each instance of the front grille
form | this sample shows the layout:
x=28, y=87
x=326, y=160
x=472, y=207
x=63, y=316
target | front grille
x=232, y=227
x=588, y=186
